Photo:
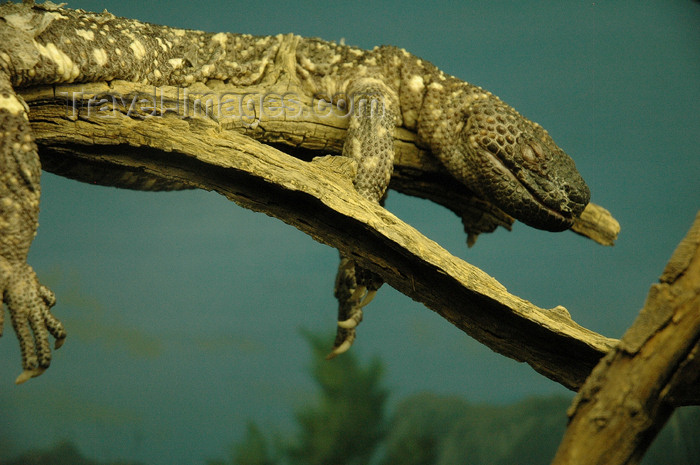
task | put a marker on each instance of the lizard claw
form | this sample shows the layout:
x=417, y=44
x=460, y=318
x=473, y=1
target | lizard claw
x=26, y=375
x=347, y=339
x=358, y=299
x=367, y=298
x=30, y=304
x=353, y=321
x=358, y=293
x=362, y=295
x=356, y=312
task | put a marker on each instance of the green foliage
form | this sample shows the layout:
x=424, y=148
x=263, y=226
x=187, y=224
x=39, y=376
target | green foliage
x=677, y=443
x=418, y=427
x=253, y=450
x=428, y=429
x=346, y=424
x=61, y=453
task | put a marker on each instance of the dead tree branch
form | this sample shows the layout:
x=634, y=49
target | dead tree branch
x=635, y=388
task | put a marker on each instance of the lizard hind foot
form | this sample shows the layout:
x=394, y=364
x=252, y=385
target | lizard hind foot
x=30, y=304
x=354, y=289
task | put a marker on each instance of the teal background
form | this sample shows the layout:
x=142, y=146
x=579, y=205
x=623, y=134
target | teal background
x=183, y=310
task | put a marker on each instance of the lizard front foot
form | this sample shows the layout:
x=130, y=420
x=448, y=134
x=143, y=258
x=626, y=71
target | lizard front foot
x=29, y=303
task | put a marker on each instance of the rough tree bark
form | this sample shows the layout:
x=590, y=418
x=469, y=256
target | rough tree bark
x=654, y=368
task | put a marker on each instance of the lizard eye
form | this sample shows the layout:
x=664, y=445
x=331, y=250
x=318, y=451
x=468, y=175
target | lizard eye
x=532, y=153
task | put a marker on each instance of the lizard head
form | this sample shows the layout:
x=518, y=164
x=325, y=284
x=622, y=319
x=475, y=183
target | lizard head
x=515, y=164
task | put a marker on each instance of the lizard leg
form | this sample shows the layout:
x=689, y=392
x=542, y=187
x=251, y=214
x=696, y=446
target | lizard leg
x=28, y=301
x=370, y=143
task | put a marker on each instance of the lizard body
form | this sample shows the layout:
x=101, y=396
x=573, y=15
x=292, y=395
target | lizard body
x=505, y=158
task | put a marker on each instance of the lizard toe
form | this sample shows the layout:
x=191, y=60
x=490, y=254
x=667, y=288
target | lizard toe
x=343, y=342
x=354, y=319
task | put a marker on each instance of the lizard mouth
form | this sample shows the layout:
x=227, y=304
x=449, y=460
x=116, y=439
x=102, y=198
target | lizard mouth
x=524, y=204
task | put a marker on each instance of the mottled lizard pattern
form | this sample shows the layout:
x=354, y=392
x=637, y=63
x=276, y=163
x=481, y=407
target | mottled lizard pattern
x=484, y=143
